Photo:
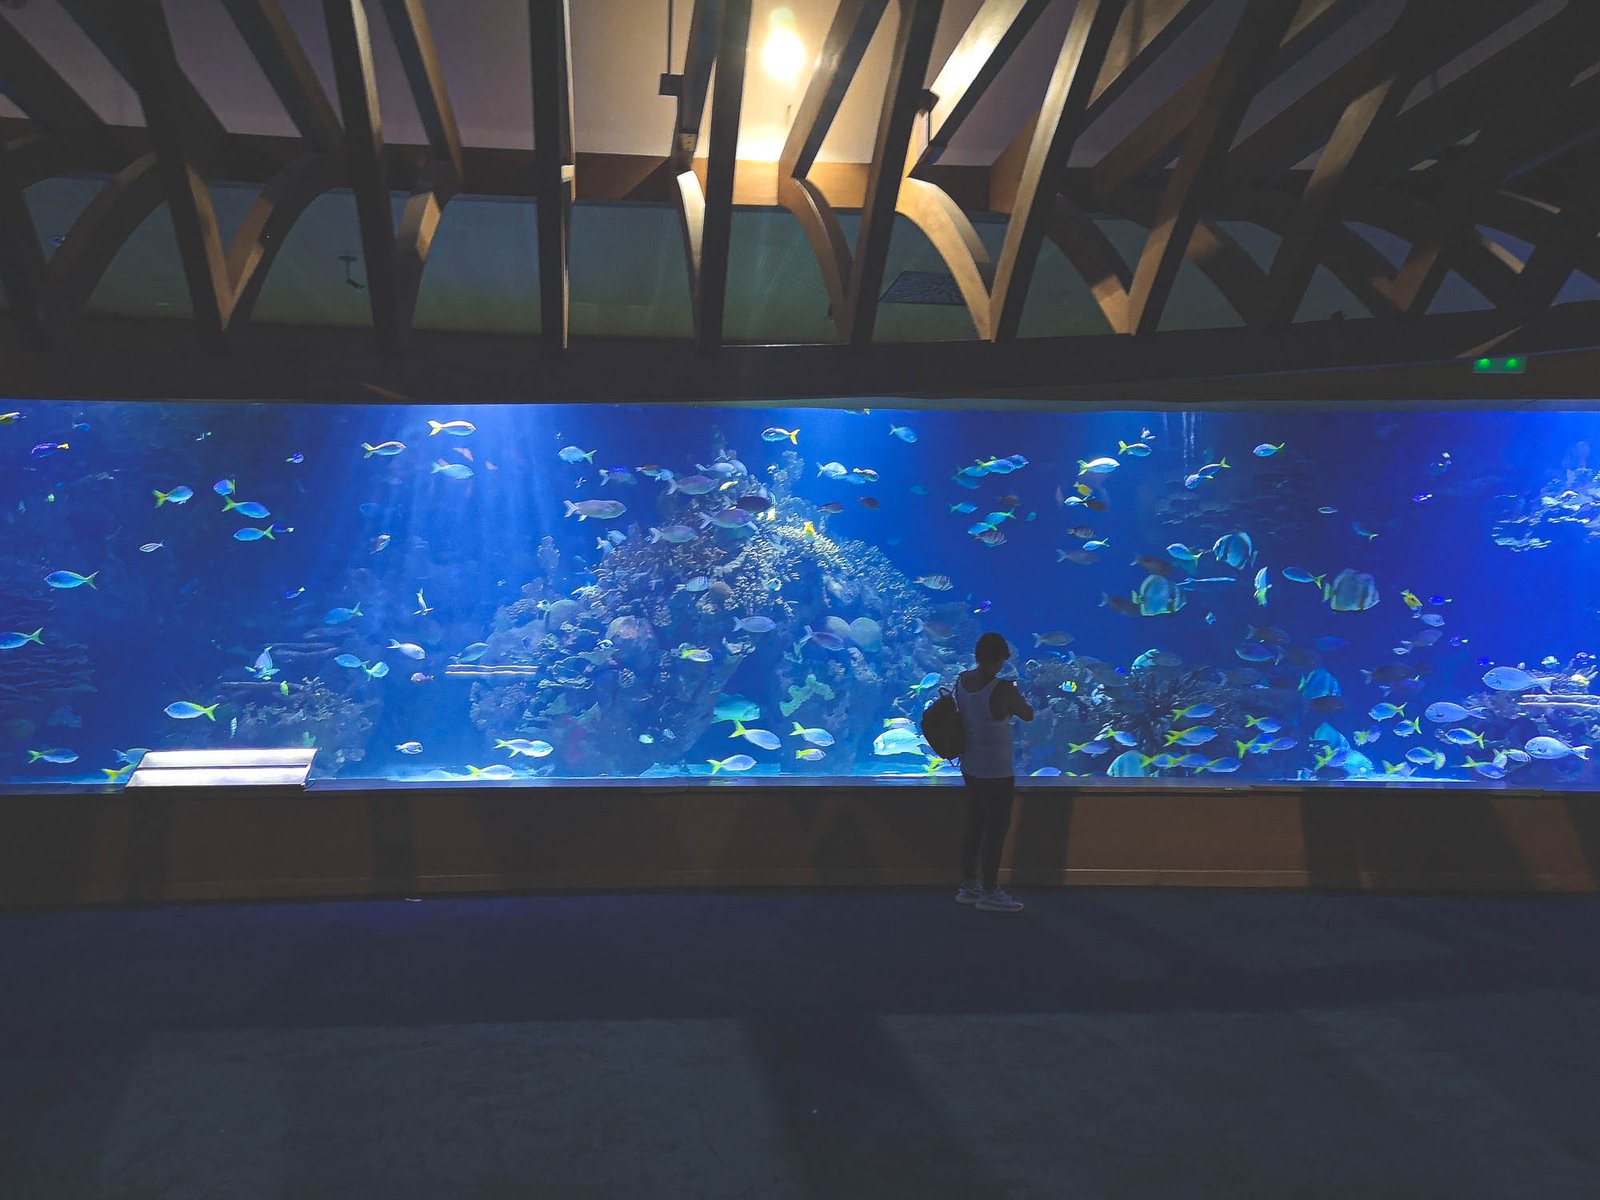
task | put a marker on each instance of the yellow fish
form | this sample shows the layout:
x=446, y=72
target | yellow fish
x=1410, y=599
x=809, y=529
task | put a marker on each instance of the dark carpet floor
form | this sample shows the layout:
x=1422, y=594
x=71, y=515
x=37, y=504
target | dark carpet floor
x=1104, y=1043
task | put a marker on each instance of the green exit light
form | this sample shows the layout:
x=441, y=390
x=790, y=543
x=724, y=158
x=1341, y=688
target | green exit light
x=1512, y=365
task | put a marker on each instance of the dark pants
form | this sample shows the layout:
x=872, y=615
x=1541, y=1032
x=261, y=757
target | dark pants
x=988, y=818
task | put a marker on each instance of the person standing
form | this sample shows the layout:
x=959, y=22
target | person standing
x=987, y=703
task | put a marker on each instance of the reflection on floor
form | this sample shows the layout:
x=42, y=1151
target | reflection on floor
x=796, y=1044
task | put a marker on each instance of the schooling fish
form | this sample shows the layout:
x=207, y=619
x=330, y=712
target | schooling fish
x=452, y=470
x=764, y=738
x=739, y=762
x=383, y=449
x=61, y=757
x=338, y=616
x=186, y=710
x=493, y=771
x=409, y=747
x=525, y=747
x=46, y=449
x=256, y=512
x=453, y=428
x=1513, y=679
x=903, y=432
x=251, y=534
x=13, y=641
x=181, y=494
x=1267, y=449
x=70, y=579
x=1136, y=450
x=409, y=649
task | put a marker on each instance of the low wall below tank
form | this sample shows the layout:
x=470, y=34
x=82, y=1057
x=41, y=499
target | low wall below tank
x=152, y=847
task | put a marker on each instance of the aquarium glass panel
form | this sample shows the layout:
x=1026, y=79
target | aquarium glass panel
x=494, y=594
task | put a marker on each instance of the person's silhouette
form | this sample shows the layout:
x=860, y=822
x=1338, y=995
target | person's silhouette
x=987, y=703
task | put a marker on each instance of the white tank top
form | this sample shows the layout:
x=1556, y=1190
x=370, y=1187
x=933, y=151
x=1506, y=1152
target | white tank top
x=988, y=753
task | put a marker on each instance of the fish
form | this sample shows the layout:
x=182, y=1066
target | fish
x=1210, y=470
x=1135, y=449
x=693, y=653
x=756, y=624
x=600, y=510
x=46, y=449
x=1301, y=575
x=674, y=535
x=382, y=449
x=338, y=616
x=187, y=710
x=1408, y=728
x=757, y=503
x=981, y=607
x=1236, y=549
x=899, y=739
x=222, y=487
x=817, y=737
x=1120, y=605
x=409, y=747
x=492, y=771
x=1151, y=565
x=739, y=762
x=296, y=458
x=457, y=471
x=151, y=547
x=420, y=677
x=763, y=738
x=821, y=637
x=263, y=667
x=616, y=475
x=1158, y=597
x=1445, y=711
x=1553, y=747
x=1265, y=724
x=1094, y=747
x=833, y=506
x=1362, y=529
x=727, y=518
x=810, y=754
x=1463, y=737
x=380, y=543
x=1256, y=652
x=375, y=670
x=1267, y=449
x=869, y=501
x=15, y=641
x=1327, y=510
x=453, y=428
x=249, y=508
x=1423, y=756
x=473, y=652
x=1097, y=466
x=1222, y=766
x=736, y=708
x=251, y=534
x=71, y=579
x=1097, y=544
x=776, y=434
x=181, y=494
x=1263, y=585
x=934, y=583
x=59, y=757
x=1199, y=735
x=903, y=432
x=832, y=470
x=1055, y=637
x=1385, y=710
x=409, y=649
x=11, y=418
x=529, y=749
x=992, y=537
x=1351, y=591
x=1513, y=679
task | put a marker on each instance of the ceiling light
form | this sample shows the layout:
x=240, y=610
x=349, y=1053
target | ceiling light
x=783, y=54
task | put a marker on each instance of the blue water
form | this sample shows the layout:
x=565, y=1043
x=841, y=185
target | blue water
x=1489, y=519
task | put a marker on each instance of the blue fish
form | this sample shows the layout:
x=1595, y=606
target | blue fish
x=338, y=616
x=223, y=487
x=296, y=458
x=256, y=512
x=251, y=534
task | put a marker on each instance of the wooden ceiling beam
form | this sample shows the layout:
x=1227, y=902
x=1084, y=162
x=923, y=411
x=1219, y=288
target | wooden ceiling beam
x=1155, y=140
x=137, y=32
x=1145, y=29
x=419, y=56
x=1103, y=270
x=1348, y=162
x=987, y=43
x=35, y=87
x=350, y=40
x=903, y=92
x=269, y=221
x=282, y=59
x=100, y=20
x=838, y=58
x=1062, y=119
x=554, y=164
x=711, y=274
x=1239, y=69
x=94, y=240
x=1568, y=242
x=1570, y=39
x=1305, y=124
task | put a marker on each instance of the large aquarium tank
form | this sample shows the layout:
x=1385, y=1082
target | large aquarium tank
x=502, y=594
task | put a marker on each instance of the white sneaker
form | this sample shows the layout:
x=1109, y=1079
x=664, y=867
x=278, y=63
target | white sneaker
x=969, y=893
x=998, y=900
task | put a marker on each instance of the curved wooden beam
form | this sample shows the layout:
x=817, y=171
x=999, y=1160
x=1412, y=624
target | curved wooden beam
x=266, y=227
x=95, y=239
x=282, y=59
x=821, y=226
x=940, y=218
x=1095, y=259
x=418, y=224
x=413, y=38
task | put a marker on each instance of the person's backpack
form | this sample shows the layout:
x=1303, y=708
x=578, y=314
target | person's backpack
x=942, y=728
